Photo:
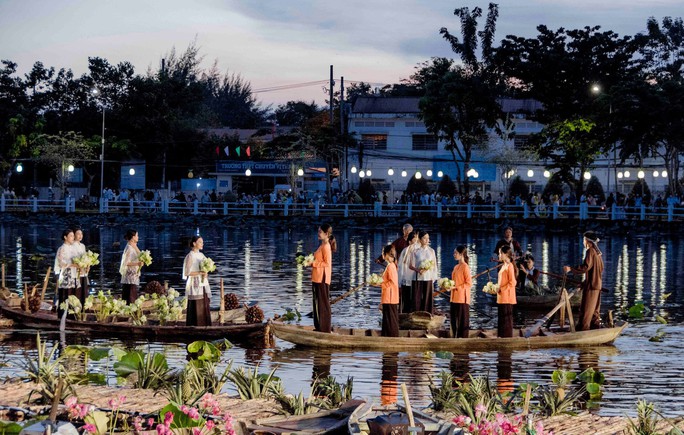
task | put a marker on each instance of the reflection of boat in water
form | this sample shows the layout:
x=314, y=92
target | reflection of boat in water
x=45, y=320
x=371, y=339
x=324, y=422
x=369, y=418
x=538, y=302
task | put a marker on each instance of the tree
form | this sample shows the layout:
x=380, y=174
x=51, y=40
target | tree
x=58, y=151
x=595, y=189
x=518, y=188
x=417, y=185
x=553, y=187
x=296, y=113
x=460, y=104
x=446, y=186
x=641, y=189
x=366, y=191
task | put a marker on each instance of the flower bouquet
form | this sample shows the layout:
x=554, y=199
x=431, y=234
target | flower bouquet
x=305, y=261
x=89, y=258
x=446, y=284
x=207, y=265
x=145, y=257
x=426, y=265
x=491, y=288
x=374, y=280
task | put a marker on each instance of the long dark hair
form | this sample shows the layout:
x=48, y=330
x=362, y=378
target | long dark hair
x=130, y=234
x=327, y=229
x=507, y=251
x=391, y=251
x=463, y=251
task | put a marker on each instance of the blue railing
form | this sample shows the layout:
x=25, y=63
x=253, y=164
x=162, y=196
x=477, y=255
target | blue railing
x=581, y=211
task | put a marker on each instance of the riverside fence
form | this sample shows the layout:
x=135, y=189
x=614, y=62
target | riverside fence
x=580, y=211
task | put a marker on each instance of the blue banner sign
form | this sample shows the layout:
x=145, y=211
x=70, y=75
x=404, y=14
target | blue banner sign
x=263, y=167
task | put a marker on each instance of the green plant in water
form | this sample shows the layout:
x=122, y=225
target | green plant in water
x=477, y=399
x=290, y=315
x=89, y=353
x=252, y=384
x=444, y=396
x=197, y=378
x=647, y=421
x=551, y=403
x=47, y=370
x=299, y=405
x=561, y=379
x=151, y=369
x=332, y=393
x=593, y=380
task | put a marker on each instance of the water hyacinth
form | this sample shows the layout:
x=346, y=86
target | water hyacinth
x=89, y=258
x=491, y=288
x=207, y=265
x=374, y=279
x=446, y=284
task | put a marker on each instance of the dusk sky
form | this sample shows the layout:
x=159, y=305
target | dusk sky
x=282, y=42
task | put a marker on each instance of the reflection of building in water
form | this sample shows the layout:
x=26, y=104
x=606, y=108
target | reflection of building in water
x=504, y=372
x=460, y=366
x=389, y=382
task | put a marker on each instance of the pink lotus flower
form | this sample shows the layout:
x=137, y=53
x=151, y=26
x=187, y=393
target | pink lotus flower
x=168, y=419
x=210, y=425
x=90, y=428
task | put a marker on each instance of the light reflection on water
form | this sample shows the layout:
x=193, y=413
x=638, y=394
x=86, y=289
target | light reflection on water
x=257, y=263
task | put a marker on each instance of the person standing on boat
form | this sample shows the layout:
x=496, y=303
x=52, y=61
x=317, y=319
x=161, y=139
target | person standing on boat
x=80, y=249
x=196, y=285
x=505, y=299
x=389, y=296
x=406, y=274
x=321, y=272
x=130, y=267
x=66, y=270
x=590, y=307
x=460, y=294
x=424, y=277
x=509, y=241
x=399, y=245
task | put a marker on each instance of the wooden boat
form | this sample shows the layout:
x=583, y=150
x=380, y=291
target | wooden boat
x=415, y=340
x=323, y=422
x=368, y=415
x=177, y=331
x=538, y=302
x=420, y=320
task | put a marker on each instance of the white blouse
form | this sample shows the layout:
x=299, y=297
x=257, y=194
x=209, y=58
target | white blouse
x=403, y=265
x=195, y=286
x=421, y=254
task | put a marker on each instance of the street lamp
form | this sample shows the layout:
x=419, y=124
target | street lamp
x=19, y=168
x=96, y=93
x=300, y=172
x=131, y=172
x=596, y=90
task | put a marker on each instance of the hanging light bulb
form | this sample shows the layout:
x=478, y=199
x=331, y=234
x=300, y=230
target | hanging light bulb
x=131, y=171
x=429, y=172
x=404, y=174
x=368, y=172
x=656, y=174
x=640, y=174
x=353, y=169
x=248, y=172
x=627, y=174
x=440, y=174
x=300, y=172
x=587, y=175
x=19, y=167
x=530, y=173
x=619, y=175
x=547, y=174
x=362, y=173
x=418, y=175
x=390, y=172
x=664, y=174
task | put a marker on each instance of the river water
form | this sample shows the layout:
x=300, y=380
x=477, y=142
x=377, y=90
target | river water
x=257, y=263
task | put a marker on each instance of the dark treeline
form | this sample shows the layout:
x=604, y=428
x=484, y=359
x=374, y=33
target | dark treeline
x=593, y=90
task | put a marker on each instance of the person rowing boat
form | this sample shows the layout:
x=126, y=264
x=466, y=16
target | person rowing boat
x=592, y=266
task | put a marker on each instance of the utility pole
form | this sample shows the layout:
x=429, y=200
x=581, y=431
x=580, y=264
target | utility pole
x=332, y=85
x=344, y=139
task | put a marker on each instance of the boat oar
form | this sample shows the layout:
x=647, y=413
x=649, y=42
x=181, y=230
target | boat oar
x=572, y=281
x=339, y=298
x=45, y=284
x=534, y=328
x=407, y=403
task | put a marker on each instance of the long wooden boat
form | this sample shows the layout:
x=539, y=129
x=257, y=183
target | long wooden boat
x=366, y=418
x=323, y=422
x=177, y=331
x=420, y=320
x=415, y=340
x=538, y=302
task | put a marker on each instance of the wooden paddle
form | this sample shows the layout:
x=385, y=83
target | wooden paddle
x=535, y=328
x=45, y=284
x=339, y=298
x=572, y=281
x=407, y=403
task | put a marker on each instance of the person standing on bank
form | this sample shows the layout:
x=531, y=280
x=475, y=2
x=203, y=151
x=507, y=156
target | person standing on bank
x=66, y=270
x=406, y=274
x=321, y=272
x=505, y=299
x=460, y=294
x=80, y=249
x=509, y=241
x=389, y=297
x=399, y=245
x=424, y=277
x=590, y=307
x=130, y=267
x=196, y=286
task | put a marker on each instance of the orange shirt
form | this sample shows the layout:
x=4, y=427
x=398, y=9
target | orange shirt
x=460, y=294
x=390, y=285
x=506, y=285
x=322, y=264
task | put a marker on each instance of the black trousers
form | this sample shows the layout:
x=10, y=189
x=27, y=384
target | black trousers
x=390, y=320
x=406, y=299
x=198, y=313
x=321, y=307
x=505, y=325
x=422, y=296
x=82, y=292
x=460, y=320
x=129, y=292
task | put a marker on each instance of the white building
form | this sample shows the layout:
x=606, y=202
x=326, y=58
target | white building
x=395, y=145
